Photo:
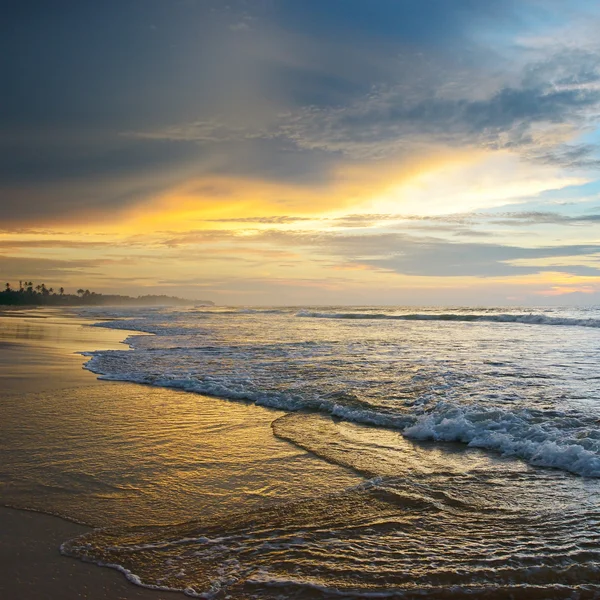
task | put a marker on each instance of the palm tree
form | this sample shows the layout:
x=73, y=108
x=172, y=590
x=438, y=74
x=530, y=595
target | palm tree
x=80, y=292
x=7, y=287
x=61, y=291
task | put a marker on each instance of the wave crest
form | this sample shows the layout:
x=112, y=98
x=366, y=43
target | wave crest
x=527, y=319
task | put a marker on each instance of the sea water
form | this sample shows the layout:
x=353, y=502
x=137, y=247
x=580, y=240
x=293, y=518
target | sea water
x=474, y=433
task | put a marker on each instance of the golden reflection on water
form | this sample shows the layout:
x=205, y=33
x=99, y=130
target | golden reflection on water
x=108, y=453
x=54, y=329
x=430, y=525
x=40, y=350
x=256, y=512
x=125, y=454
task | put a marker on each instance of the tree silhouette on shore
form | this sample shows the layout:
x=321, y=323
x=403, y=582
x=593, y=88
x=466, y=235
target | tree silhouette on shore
x=40, y=295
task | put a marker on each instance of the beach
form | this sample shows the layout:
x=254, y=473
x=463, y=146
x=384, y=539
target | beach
x=304, y=453
x=300, y=300
x=33, y=568
x=42, y=381
x=38, y=355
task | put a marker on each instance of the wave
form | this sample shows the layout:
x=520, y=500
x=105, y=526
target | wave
x=437, y=410
x=555, y=440
x=146, y=325
x=382, y=539
x=528, y=319
x=240, y=311
x=230, y=390
x=561, y=441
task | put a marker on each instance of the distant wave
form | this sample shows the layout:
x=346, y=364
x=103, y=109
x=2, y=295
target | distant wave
x=240, y=311
x=527, y=319
x=161, y=325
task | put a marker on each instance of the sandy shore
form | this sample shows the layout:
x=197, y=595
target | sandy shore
x=32, y=567
x=38, y=354
x=39, y=350
x=44, y=391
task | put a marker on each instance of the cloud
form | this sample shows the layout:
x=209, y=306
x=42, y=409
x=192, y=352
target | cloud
x=15, y=267
x=233, y=115
x=528, y=218
x=192, y=237
x=431, y=102
x=12, y=244
x=569, y=156
x=387, y=121
x=270, y=220
x=430, y=256
x=460, y=221
x=443, y=259
x=50, y=180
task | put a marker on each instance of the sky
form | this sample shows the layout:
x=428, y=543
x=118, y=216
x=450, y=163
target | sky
x=295, y=152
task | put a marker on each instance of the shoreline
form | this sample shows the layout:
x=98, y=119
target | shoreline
x=43, y=351
x=42, y=363
x=33, y=567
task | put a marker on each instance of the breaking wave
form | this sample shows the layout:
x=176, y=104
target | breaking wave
x=502, y=394
x=559, y=440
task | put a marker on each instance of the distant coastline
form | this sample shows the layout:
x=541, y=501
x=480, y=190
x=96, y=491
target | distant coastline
x=29, y=295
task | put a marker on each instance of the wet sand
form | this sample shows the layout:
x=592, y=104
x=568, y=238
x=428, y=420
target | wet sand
x=40, y=370
x=37, y=349
x=32, y=568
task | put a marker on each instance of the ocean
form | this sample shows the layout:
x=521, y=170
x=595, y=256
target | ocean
x=470, y=437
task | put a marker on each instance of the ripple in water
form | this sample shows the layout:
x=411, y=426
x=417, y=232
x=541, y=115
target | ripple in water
x=448, y=415
x=430, y=522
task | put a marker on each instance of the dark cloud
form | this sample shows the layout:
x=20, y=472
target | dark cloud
x=578, y=156
x=110, y=103
x=71, y=202
x=52, y=161
x=273, y=159
x=61, y=180
x=527, y=218
x=113, y=64
x=443, y=259
x=384, y=124
x=43, y=175
x=460, y=221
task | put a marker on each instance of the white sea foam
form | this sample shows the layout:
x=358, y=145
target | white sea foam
x=68, y=549
x=514, y=433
